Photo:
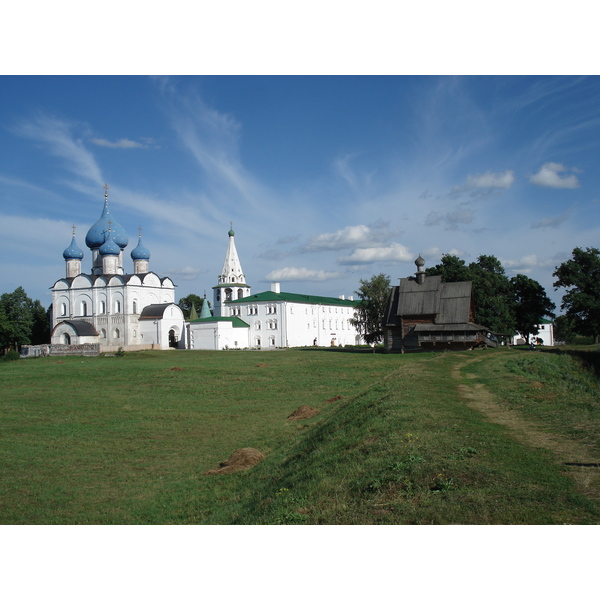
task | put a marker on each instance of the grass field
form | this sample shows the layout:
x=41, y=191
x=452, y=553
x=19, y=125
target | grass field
x=477, y=437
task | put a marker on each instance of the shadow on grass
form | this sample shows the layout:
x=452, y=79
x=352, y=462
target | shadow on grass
x=352, y=349
x=589, y=358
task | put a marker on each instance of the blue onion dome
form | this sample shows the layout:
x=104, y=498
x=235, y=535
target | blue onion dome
x=73, y=251
x=110, y=247
x=96, y=236
x=140, y=252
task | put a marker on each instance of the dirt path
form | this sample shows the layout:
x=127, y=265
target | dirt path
x=587, y=478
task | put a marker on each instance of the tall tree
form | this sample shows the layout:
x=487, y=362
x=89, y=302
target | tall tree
x=563, y=329
x=451, y=268
x=374, y=295
x=188, y=301
x=531, y=304
x=492, y=295
x=492, y=291
x=580, y=276
x=19, y=318
x=40, y=330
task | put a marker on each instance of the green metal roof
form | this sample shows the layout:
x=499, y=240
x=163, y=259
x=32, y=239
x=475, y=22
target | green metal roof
x=299, y=298
x=237, y=322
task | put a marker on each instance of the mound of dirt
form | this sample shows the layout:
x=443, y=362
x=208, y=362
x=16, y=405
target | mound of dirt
x=303, y=412
x=334, y=399
x=262, y=365
x=176, y=369
x=241, y=459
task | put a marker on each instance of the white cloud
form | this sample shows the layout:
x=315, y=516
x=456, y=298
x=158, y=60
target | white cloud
x=549, y=176
x=301, y=274
x=491, y=180
x=352, y=236
x=393, y=253
x=121, y=143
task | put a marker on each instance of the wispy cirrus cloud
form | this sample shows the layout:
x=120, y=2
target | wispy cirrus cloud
x=213, y=139
x=302, y=274
x=549, y=175
x=62, y=140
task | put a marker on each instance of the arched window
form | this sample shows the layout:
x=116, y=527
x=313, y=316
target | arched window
x=117, y=306
x=84, y=308
x=103, y=333
x=228, y=293
x=240, y=294
x=66, y=339
x=117, y=334
x=102, y=307
x=63, y=310
x=135, y=307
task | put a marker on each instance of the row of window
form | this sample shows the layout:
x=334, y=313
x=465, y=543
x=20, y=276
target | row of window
x=85, y=309
x=271, y=324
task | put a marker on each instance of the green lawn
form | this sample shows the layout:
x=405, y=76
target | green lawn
x=113, y=440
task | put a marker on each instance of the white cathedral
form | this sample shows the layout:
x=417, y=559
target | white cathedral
x=109, y=307
x=138, y=311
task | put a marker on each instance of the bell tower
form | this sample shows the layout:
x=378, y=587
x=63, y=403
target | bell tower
x=232, y=282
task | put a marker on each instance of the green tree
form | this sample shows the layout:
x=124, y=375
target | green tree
x=580, y=277
x=492, y=295
x=563, y=329
x=188, y=301
x=18, y=318
x=451, y=268
x=40, y=330
x=374, y=295
x=531, y=304
x=492, y=291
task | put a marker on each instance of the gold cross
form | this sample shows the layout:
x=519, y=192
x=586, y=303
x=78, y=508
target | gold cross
x=106, y=188
x=73, y=228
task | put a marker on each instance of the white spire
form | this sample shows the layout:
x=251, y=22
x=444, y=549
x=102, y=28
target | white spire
x=232, y=269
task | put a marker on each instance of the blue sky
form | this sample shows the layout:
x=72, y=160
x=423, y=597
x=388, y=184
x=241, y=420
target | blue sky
x=327, y=179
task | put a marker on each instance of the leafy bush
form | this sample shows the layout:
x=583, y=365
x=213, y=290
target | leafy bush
x=11, y=355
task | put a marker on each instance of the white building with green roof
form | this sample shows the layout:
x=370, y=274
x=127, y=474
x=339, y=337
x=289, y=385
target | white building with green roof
x=270, y=319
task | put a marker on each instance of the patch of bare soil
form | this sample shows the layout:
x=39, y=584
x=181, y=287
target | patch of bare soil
x=262, y=365
x=241, y=459
x=575, y=456
x=176, y=369
x=334, y=399
x=303, y=412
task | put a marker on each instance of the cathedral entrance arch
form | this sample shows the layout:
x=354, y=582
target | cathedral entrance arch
x=173, y=338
